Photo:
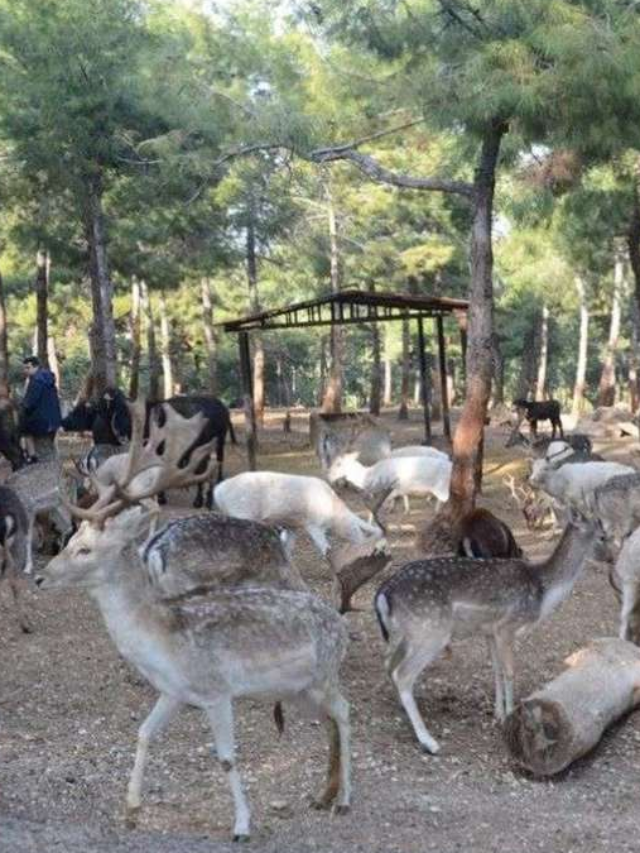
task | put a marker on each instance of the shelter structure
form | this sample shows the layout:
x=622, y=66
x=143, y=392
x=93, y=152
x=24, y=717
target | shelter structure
x=353, y=307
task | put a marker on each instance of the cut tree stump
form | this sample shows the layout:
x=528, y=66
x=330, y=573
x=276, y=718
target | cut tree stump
x=564, y=720
x=354, y=565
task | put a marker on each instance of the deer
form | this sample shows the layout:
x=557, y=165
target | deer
x=14, y=525
x=536, y=507
x=202, y=649
x=532, y=412
x=426, y=602
x=40, y=488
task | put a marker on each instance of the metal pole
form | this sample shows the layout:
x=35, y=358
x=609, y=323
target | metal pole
x=247, y=391
x=442, y=359
x=424, y=386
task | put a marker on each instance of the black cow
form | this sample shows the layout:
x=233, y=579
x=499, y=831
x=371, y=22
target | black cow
x=548, y=410
x=109, y=419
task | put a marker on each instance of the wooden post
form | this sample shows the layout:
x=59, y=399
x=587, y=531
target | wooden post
x=424, y=387
x=247, y=391
x=442, y=358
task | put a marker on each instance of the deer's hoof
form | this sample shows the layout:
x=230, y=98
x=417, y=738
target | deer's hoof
x=342, y=809
x=241, y=838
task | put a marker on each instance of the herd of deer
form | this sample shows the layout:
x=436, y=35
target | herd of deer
x=211, y=607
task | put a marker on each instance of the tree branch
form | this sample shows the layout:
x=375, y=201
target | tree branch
x=379, y=173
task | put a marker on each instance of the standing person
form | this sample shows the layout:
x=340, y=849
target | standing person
x=40, y=415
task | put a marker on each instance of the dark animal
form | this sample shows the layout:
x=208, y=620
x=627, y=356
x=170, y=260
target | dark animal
x=480, y=534
x=9, y=438
x=549, y=410
x=112, y=417
x=580, y=442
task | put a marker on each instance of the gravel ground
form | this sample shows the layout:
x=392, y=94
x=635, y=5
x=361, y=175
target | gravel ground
x=70, y=709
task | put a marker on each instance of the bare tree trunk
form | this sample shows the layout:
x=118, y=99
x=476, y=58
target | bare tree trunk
x=633, y=242
x=583, y=344
x=332, y=401
x=4, y=345
x=154, y=366
x=634, y=362
x=52, y=359
x=468, y=440
x=526, y=379
x=322, y=369
x=42, y=310
x=405, y=380
x=388, y=367
x=210, y=337
x=498, y=363
x=607, y=386
x=541, y=379
x=135, y=331
x=376, y=366
x=255, y=307
x=165, y=347
x=103, y=333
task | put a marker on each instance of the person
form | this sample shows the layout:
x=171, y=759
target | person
x=40, y=415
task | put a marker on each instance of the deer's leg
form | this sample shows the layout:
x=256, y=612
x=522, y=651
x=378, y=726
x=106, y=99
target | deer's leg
x=220, y=718
x=28, y=569
x=199, y=498
x=25, y=625
x=498, y=712
x=407, y=505
x=318, y=537
x=504, y=649
x=163, y=712
x=629, y=601
x=338, y=788
x=406, y=663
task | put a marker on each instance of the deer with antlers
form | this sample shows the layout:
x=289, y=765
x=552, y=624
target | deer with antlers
x=203, y=647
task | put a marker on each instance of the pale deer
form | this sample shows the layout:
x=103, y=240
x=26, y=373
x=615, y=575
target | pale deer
x=203, y=650
x=41, y=488
x=428, y=602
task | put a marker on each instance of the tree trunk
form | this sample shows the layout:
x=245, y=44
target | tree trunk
x=498, y=365
x=154, y=366
x=52, y=359
x=388, y=366
x=376, y=367
x=165, y=347
x=583, y=344
x=210, y=337
x=332, y=400
x=528, y=361
x=405, y=379
x=565, y=720
x=633, y=242
x=255, y=307
x=135, y=331
x=103, y=332
x=607, y=386
x=322, y=369
x=4, y=345
x=541, y=379
x=468, y=438
x=633, y=360
x=42, y=310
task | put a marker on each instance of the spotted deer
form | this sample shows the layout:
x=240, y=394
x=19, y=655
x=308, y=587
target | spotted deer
x=428, y=602
x=202, y=647
x=14, y=525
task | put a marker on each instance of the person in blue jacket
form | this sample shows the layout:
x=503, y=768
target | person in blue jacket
x=40, y=414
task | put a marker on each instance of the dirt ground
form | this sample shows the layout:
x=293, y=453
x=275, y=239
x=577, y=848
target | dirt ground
x=70, y=709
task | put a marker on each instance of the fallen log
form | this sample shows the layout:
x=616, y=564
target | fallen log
x=566, y=719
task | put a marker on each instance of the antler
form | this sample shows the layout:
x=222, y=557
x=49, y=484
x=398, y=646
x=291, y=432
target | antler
x=168, y=459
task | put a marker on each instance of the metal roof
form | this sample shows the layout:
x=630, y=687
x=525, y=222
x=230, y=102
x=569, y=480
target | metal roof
x=348, y=307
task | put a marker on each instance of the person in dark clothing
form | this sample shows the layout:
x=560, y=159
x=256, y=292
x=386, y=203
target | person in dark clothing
x=112, y=416
x=40, y=415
